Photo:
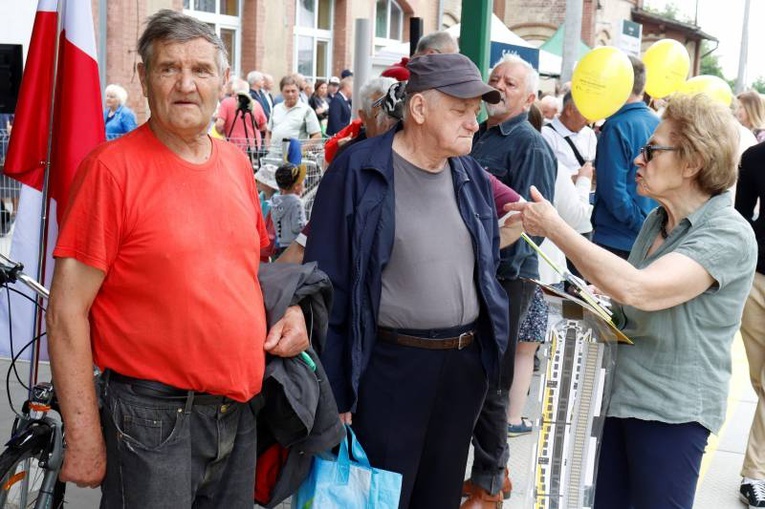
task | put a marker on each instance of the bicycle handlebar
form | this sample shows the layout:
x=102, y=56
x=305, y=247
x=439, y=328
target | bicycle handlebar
x=11, y=271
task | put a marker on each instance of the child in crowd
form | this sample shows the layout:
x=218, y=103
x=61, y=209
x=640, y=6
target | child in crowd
x=265, y=180
x=287, y=209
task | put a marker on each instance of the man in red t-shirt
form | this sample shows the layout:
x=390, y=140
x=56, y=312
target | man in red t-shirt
x=241, y=119
x=156, y=284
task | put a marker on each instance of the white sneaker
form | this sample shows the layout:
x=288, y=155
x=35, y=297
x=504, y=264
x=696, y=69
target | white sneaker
x=753, y=493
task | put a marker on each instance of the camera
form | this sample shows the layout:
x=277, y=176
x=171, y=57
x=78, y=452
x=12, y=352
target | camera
x=245, y=101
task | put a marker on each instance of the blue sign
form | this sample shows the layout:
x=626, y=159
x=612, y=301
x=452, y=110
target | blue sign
x=499, y=49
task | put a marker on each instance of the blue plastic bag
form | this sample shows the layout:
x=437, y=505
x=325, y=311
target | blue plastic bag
x=343, y=482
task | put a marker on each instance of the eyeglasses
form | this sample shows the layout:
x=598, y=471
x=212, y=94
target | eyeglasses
x=647, y=151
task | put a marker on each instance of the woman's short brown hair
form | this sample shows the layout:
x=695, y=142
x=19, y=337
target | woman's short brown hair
x=705, y=133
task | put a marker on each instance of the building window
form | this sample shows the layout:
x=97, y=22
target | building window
x=313, y=38
x=389, y=23
x=225, y=17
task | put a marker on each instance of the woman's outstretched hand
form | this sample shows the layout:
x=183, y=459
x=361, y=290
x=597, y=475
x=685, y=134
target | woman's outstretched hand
x=539, y=217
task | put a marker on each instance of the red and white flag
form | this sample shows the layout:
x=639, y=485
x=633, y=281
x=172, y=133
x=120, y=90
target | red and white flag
x=77, y=125
x=28, y=148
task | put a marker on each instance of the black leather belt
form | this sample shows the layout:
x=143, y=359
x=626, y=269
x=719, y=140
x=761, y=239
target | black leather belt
x=152, y=389
x=458, y=342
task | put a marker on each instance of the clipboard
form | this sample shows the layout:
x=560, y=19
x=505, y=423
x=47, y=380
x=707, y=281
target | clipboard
x=584, y=305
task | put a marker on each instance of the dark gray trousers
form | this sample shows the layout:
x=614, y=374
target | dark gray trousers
x=164, y=453
x=490, y=432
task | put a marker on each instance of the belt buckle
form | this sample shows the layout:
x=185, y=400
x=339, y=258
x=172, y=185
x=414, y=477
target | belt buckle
x=460, y=346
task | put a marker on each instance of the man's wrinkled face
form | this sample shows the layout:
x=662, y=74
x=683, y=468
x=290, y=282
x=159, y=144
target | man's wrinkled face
x=182, y=83
x=510, y=79
x=452, y=122
x=376, y=121
x=572, y=119
x=290, y=94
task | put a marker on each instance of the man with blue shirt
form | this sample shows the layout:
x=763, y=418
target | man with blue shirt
x=508, y=147
x=619, y=210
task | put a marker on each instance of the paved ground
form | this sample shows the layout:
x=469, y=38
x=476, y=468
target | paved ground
x=720, y=470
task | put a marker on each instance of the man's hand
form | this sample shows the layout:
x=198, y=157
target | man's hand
x=586, y=171
x=346, y=418
x=288, y=337
x=85, y=460
x=539, y=216
x=343, y=141
x=510, y=230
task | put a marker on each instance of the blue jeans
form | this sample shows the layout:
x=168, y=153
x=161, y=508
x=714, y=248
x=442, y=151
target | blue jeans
x=649, y=464
x=165, y=453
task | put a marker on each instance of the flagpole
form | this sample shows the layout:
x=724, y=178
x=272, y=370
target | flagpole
x=45, y=209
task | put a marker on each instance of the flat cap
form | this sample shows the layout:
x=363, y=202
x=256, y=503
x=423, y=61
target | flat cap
x=451, y=73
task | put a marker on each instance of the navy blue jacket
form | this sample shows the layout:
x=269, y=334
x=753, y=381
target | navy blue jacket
x=260, y=96
x=352, y=232
x=339, y=114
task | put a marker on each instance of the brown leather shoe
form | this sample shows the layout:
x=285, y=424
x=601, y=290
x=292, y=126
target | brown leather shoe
x=481, y=499
x=507, y=486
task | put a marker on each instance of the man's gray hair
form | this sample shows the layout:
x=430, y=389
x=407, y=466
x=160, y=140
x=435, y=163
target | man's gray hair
x=532, y=76
x=346, y=83
x=440, y=42
x=254, y=76
x=173, y=26
x=372, y=88
x=432, y=96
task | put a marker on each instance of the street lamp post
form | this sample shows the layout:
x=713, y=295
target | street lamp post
x=743, y=54
x=572, y=34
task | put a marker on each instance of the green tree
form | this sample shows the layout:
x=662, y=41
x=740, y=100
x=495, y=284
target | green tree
x=670, y=11
x=759, y=84
x=710, y=63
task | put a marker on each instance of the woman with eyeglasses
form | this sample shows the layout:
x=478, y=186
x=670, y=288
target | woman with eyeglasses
x=679, y=297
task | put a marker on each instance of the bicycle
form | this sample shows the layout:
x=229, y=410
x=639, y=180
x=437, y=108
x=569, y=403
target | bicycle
x=32, y=458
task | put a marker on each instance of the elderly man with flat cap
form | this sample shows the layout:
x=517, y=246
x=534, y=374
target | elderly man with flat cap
x=405, y=226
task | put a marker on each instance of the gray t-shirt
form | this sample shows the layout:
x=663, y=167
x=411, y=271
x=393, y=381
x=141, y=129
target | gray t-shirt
x=679, y=368
x=428, y=282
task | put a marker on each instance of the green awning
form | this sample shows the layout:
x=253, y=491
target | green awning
x=555, y=44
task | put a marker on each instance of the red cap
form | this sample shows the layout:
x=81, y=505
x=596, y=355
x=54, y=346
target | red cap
x=397, y=71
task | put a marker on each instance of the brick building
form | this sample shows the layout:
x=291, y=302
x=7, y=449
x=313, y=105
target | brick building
x=313, y=37
x=537, y=21
x=316, y=37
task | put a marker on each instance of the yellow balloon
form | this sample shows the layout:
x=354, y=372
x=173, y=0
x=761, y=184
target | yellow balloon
x=715, y=87
x=602, y=82
x=666, y=65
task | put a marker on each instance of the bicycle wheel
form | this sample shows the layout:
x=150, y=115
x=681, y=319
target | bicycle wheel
x=21, y=474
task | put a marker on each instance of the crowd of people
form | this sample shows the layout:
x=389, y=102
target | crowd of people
x=435, y=321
